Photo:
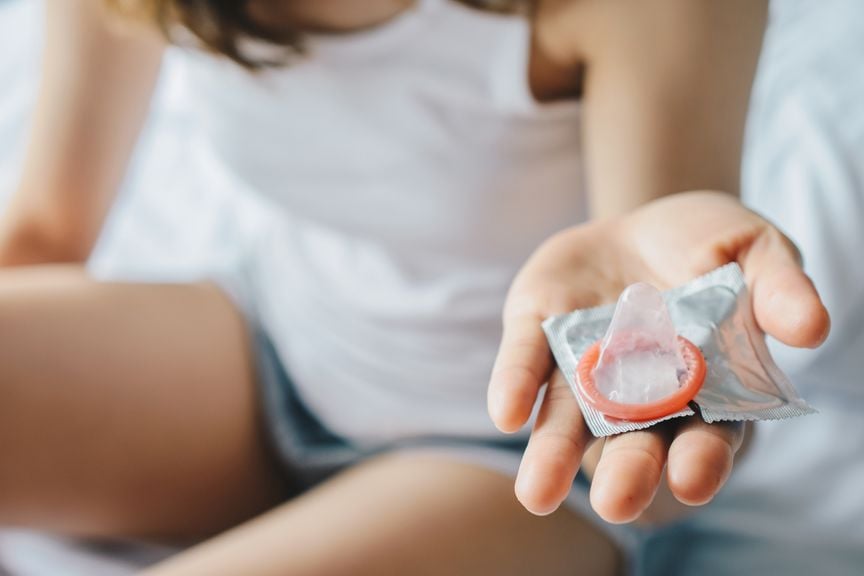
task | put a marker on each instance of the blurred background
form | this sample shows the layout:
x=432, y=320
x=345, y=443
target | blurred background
x=803, y=169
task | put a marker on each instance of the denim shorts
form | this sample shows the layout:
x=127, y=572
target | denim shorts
x=310, y=453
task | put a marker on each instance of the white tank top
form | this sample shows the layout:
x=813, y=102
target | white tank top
x=409, y=174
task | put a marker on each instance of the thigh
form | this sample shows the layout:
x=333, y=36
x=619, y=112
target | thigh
x=405, y=514
x=127, y=409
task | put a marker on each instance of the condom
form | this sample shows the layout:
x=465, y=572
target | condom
x=655, y=356
x=641, y=369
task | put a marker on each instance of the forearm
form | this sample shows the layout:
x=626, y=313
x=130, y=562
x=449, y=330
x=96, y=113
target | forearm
x=666, y=92
x=94, y=94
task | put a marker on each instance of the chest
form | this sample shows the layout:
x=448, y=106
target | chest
x=424, y=131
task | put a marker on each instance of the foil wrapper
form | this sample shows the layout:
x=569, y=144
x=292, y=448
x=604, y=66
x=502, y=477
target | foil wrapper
x=714, y=312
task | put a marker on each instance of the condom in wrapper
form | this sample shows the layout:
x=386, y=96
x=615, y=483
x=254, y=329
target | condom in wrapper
x=656, y=356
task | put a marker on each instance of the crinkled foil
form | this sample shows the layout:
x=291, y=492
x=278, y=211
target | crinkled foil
x=714, y=312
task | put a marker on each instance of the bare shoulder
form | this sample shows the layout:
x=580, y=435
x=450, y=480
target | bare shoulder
x=573, y=33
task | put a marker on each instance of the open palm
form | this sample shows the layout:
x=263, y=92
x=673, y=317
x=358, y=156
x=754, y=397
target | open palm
x=666, y=243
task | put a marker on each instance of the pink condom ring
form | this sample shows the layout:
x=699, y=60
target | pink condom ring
x=690, y=386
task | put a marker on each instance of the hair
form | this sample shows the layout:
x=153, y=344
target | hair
x=224, y=26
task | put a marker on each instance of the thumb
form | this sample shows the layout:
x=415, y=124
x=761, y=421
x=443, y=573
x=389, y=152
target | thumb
x=785, y=301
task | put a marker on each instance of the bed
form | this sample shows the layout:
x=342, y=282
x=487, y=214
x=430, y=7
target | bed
x=804, y=168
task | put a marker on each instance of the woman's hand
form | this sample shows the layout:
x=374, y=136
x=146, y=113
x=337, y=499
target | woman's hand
x=666, y=243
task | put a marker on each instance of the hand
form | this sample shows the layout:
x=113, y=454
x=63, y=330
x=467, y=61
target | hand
x=666, y=243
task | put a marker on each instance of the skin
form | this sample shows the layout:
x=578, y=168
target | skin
x=665, y=89
x=111, y=436
x=169, y=470
x=93, y=98
x=328, y=16
x=698, y=457
x=146, y=424
x=419, y=514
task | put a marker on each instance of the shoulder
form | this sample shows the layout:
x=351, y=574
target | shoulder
x=573, y=33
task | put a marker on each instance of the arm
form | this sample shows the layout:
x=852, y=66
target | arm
x=667, y=83
x=94, y=94
x=667, y=89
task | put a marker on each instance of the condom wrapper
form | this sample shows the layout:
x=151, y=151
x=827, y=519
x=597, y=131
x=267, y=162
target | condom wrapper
x=714, y=314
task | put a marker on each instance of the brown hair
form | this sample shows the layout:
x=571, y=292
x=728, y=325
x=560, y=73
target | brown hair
x=222, y=26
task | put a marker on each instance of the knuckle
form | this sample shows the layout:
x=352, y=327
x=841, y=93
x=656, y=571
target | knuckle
x=556, y=297
x=561, y=393
x=777, y=236
x=533, y=344
x=517, y=375
x=554, y=435
x=638, y=448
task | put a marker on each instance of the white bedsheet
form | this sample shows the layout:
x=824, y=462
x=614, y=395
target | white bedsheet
x=804, y=168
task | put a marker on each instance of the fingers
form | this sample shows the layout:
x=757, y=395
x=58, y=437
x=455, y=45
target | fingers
x=701, y=458
x=554, y=451
x=628, y=474
x=698, y=462
x=785, y=302
x=524, y=361
x=522, y=367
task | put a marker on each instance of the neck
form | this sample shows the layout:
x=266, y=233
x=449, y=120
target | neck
x=326, y=16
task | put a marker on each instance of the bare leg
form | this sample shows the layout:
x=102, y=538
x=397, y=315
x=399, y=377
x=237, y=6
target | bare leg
x=126, y=409
x=404, y=514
